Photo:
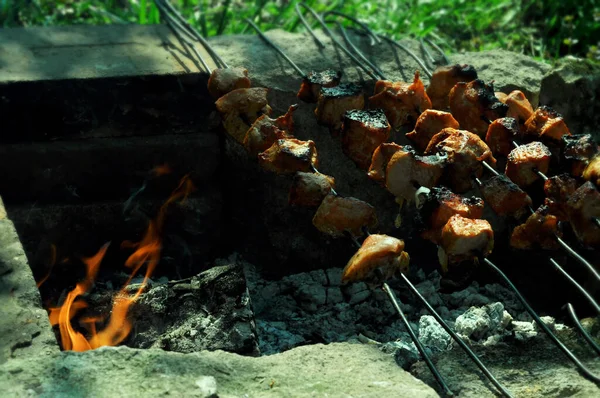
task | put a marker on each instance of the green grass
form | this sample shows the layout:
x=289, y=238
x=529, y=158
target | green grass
x=545, y=29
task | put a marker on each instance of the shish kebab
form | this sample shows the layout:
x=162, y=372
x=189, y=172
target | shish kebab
x=386, y=252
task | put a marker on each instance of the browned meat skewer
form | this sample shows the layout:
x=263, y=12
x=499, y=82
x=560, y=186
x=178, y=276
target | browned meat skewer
x=525, y=160
x=362, y=132
x=504, y=196
x=429, y=124
x=335, y=101
x=464, y=239
x=264, y=131
x=578, y=151
x=289, y=155
x=558, y=189
x=582, y=208
x=337, y=215
x=539, y=230
x=379, y=161
x=546, y=123
x=500, y=135
x=381, y=252
x=309, y=189
x=519, y=106
x=592, y=171
x=314, y=81
x=444, y=78
x=225, y=80
x=401, y=102
x=240, y=108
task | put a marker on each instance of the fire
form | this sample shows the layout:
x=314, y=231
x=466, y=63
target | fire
x=119, y=326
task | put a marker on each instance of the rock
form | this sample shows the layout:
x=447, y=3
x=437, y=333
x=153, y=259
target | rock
x=572, y=88
x=509, y=71
x=334, y=370
x=523, y=330
x=433, y=335
x=357, y=293
x=480, y=323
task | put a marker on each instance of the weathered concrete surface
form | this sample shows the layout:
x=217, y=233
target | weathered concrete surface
x=334, y=370
x=25, y=331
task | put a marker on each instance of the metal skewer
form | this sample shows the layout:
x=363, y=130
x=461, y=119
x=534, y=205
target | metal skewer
x=588, y=297
x=581, y=329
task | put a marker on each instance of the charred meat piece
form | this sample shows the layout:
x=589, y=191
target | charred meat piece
x=429, y=124
x=578, y=150
x=546, y=123
x=289, y=155
x=558, y=189
x=465, y=152
x=362, y=132
x=309, y=189
x=504, y=196
x=382, y=252
x=335, y=101
x=401, y=102
x=240, y=108
x=379, y=161
x=582, y=207
x=523, y=161
x=264, y=131
x=538, y=231
x=500, y=135
x=336, y=216
x=444, y=79
x=519, y=106
x=312, y=84
x=592, y=171
x=465, y=239
x=475, y=106
x=440, y=204
x=225, y=80
x=501, y=96
x=406, y=171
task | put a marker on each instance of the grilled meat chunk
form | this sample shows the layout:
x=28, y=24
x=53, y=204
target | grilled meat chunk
x=444, y=79
x=337, y=215
x=558, y=189
x=225, y=80
x=440, y=204
x=582, y=207
x=465, y=239
x=501, y=134
x=578, y=150
x=592, y=171
x=501, y=96
x=465, y=152
x=362, y=132
x=519, y=106
x=264, y=131
x=401, y=102
x=240, y=108
x=523, y=161
x=429, y=124
x=546, y=123
x=335, y=101
x=406, y=171
x=381, y=158
x=289, y=155
x=475, y=106
x=314, y=81
x=504, y=196
x=382, y=252
x=538, y=231
x=309, y=189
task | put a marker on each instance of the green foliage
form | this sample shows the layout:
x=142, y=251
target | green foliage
x=545, y=29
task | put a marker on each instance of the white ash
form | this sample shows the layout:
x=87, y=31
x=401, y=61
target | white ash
x=484, y=324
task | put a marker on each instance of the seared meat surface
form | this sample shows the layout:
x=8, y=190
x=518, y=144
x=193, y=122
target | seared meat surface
x=582, y=207
x=475, y=106
x=504, y=196
x=558, y=189
x=401, y=102
x=538, y=231
x=225, y=80
x=501, y=134
x=264, y=131
x=362, y=132
x=440, y=204
x=429, y=124
x=465, y=239
x=519, y=106
x=240, y=108
x=314, y=81
x=444, y=78
x=381, y=252
x=546, y=123
x=337, y=215
x=289, y=155
x=465, y=152
x=592, y=171
x=578, y=150
x=381, y=158
x=309, y=189
x=524, y=160
x=406, y=171
x=335, y=101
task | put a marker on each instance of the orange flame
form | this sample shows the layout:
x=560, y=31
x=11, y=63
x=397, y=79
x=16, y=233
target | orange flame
x=119, y=326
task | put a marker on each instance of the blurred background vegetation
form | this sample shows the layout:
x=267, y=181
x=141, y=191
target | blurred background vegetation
x=544, y=29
